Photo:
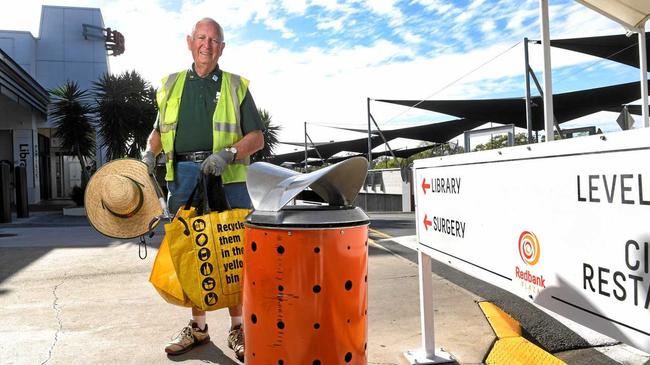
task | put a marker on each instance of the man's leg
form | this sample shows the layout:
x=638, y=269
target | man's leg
x=196, y=332
x=236, y=334
x=198, y=317
x=192, y=335
x=186, y=177
x=237, y=197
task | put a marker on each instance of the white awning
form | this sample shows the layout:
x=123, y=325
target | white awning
x=630, y=13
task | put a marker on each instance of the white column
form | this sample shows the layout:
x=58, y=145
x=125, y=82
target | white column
x=427, y=355
x=548, y=82
x=426, y=304
x=644, y=76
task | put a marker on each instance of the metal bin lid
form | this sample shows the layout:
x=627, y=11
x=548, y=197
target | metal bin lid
x=271, y=187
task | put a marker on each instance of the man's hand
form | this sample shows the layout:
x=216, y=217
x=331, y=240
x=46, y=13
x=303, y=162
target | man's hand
x=150, y=160
x=216, y=162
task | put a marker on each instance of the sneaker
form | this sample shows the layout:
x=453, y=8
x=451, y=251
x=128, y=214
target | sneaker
x=236, y=341
x=189, y=337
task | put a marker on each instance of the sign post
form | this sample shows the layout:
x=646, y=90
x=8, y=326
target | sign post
x=427, y=354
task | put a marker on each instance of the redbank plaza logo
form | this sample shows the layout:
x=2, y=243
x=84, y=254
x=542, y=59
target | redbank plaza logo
x=529, y=248
x=529, y=251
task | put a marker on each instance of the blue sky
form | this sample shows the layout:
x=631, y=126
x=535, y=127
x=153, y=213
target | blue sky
x=317, y=61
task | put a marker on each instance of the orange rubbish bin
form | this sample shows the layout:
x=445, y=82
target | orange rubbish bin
x=305, y=295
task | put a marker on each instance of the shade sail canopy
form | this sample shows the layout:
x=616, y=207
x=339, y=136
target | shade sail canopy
x=401, y=153
x=326, y=150
x=633, y=109
x=629, y=13
x=433, y=132
x=619, y=48
x=438, y=132
x=567, y=106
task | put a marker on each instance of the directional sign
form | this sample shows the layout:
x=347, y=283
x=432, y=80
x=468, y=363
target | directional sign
x=564, y=224
x=425, y=186
x=426, y=222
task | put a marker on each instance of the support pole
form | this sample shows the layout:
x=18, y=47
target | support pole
x=428, y=353
x=529, y=118
x=548, y=81
x=644, y=75
x=369, y=135
x=381, y=134
x=365, y=187
x=305, y=147
x=426, y=304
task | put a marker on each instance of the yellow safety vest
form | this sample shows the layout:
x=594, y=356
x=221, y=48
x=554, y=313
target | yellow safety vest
x=226, y=126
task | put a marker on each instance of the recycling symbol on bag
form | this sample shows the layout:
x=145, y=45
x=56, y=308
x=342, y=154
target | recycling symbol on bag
x=208, y=284
x=206, y=268
x=198, y=225
x=204, y=254
x=201, y=239
x=210, y=298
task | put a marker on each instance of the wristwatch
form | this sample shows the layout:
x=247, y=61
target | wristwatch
x=233, y=150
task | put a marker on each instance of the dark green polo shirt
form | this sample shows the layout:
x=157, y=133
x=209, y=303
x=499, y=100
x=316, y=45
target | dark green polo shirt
x=198, y=102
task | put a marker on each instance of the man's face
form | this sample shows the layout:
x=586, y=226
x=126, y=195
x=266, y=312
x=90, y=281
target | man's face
x=206, y=46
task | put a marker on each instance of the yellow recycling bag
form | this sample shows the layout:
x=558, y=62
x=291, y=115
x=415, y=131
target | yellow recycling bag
x=163, y=274
x=208, y=255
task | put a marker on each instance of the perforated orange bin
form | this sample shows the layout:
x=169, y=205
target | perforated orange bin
x=305, y=286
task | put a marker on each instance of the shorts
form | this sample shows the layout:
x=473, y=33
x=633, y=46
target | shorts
x=186, y=177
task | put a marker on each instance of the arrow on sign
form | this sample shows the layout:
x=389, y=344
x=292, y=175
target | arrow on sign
x=427, y=222
x=425, y=186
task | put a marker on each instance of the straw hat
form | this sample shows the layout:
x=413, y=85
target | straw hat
x=121, y=199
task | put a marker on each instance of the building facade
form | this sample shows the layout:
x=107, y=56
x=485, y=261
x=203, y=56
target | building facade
x=23, y=107
x=72, y=44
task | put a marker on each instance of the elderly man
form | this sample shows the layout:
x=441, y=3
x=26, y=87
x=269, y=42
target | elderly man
x=207, y=123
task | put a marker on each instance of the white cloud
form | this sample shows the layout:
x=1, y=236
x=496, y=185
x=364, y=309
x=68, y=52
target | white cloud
x=329, y=5
x=334, y=24
x=279, y=24
x=297, y=7
x=475, y=4
x=437, y=6
x=488, y=26
x=409, y=36
x=517, y=19
x=387, y=9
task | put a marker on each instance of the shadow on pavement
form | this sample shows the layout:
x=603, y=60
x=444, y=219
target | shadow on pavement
x=586, y=357
x=15, y=259
x=375, y=251
x=208, y=353
x=26, y=240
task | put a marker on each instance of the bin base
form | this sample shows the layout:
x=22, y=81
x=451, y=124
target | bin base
x=419, y=357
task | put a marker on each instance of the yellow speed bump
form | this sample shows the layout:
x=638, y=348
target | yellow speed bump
x=519, y=351
x=510, y=348
x=502, y=324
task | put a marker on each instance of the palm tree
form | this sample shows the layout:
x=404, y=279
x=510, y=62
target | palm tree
x=127, y=109
x=270, y=137
x=142, y=98
x=71, y=114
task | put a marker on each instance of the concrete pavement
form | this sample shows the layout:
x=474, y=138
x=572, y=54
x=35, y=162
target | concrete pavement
x=70, y=295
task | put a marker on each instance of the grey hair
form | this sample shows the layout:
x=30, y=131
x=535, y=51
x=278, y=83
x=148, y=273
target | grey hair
x=210, y=21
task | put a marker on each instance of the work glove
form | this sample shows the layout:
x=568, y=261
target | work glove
x=150, y=160
x=216, y=162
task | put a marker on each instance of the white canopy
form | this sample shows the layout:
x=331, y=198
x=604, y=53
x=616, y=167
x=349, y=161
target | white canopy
x=632, y=14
